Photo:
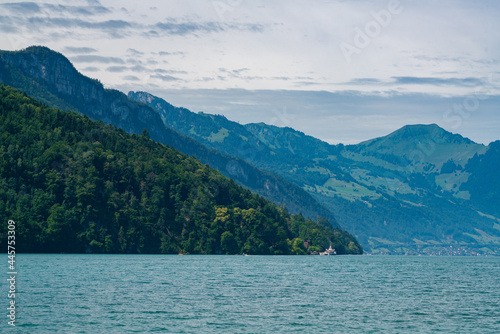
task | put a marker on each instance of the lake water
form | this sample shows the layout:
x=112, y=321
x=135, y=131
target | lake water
x=254, y=294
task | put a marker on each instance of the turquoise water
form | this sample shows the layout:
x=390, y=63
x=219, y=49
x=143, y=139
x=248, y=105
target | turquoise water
x=254, y=294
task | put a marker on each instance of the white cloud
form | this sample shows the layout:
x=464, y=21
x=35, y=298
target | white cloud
x=280, y=39
x=447, y=48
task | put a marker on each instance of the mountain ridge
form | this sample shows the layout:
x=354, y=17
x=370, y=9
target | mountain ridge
x=369, y=189
x=419, y=130
x=45, y=74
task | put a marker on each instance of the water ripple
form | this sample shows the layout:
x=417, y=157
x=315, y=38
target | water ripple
x=257, y=294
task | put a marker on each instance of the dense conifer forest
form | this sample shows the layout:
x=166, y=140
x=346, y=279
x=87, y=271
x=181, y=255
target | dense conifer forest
x=76, y=185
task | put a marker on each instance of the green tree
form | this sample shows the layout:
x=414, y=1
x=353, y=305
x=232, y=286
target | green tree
x=298, y=247
x=228, y=243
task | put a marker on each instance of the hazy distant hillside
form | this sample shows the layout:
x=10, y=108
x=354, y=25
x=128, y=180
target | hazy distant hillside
x=399, y=192
x=283, y=150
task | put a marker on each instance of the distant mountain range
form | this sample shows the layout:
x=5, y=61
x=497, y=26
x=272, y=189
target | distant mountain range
x=418, y=189
x=405, y=192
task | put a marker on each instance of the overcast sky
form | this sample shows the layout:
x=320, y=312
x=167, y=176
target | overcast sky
x=342, y=71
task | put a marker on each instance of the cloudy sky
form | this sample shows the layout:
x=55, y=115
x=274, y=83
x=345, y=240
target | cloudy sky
x=342, y=71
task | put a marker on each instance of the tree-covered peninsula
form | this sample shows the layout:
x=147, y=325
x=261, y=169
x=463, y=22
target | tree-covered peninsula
x=76, y=185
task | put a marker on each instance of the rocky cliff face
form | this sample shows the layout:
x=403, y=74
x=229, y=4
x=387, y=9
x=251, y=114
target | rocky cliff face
x=87, y=96
x=50, y=77
x=40, y=63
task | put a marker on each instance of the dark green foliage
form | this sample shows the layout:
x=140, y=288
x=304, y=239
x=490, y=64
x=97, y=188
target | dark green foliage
x=77, y=185
x=449, y=167
x=320, y=235
x=484, y=182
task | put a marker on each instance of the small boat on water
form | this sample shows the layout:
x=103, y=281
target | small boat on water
x=329, y=251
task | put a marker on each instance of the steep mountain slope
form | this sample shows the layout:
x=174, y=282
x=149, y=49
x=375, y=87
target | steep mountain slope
x=230, y=137
x=283, y=150
x=76, y=185
x=51, y=78
x=397, y=193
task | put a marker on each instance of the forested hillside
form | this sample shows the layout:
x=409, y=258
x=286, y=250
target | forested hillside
x=77, y=185
x=51, y=78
